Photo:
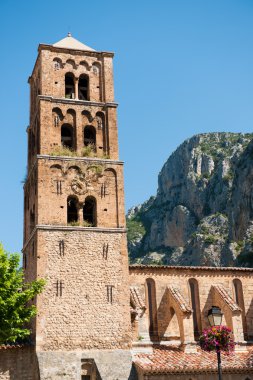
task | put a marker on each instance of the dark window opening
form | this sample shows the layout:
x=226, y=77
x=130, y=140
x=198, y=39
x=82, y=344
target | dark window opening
x=86, y=377
x=89, y=212
x=72, y=210
x=69, y=86
x=90, y=136
x=67, y=139
x=83, y=87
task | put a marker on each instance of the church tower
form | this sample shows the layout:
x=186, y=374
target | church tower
x=74, y=219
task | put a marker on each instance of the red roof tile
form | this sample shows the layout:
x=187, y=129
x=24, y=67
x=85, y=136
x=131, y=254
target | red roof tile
x=165, y=360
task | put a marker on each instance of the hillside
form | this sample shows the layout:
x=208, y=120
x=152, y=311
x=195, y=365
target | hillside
x=203, y=211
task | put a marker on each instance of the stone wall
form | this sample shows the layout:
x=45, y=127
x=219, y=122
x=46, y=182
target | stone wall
x=211, y=283
x=86, y=300
x=18, y=363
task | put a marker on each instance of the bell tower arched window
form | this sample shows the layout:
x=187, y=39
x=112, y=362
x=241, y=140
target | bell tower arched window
x=83, y=87
x=67, y=138
x=90, y=212
x=69, y=86
x=72, y=210
x=89, y=136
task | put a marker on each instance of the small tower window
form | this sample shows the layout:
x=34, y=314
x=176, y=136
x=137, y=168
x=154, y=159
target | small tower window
x=83, y=87
x=72, y=210
x=69, y=86
x=89, y=212
x=67, y=139
x=90, y=136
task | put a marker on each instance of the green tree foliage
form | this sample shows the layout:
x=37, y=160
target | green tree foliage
x=15, y=294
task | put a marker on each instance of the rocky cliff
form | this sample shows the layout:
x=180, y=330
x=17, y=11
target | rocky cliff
x=203, y=211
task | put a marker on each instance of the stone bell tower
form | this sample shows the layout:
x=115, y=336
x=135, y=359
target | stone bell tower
x=74, y=220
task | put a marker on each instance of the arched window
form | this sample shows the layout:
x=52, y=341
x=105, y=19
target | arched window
x=72, y=210
x=83, y=87
x=89, y=136
x=90, y=212
x=67, y=138
x=152, y=307
x=69, y=86
x=239, y=299
x=195, y=304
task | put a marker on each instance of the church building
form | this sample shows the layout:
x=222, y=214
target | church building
x=99, y=318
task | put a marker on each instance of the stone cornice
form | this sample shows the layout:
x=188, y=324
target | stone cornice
x=158, y=268
x=77, y=102
x=49, y=227
x=90, y=53
x=81, y=159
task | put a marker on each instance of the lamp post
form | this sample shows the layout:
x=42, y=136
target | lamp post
x=215, y=317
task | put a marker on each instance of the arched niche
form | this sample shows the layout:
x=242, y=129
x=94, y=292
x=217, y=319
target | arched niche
x=239, y=299
x=195, y=305
x=152, y=308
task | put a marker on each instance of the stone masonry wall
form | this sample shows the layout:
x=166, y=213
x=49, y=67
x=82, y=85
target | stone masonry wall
x=206, y=278
x=18, y=364
x=84, y=312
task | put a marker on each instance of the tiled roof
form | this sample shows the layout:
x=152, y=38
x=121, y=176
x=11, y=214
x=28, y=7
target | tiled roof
x=176, y=294
x=136, y=298
x=226, y=297
x=165, y=360
x=12, y=346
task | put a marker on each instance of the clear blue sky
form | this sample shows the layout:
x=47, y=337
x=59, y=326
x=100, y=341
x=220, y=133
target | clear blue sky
x=181, y=67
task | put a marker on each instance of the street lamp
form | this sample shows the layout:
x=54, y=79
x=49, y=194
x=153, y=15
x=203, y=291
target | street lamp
x=215, y=317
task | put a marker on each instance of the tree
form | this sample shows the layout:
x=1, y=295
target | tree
x=15, y=294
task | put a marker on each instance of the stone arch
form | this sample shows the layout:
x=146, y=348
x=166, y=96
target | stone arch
x=71, y=63
x=56, y=169
x=69, y=85
x=85, y=65
x=83, y=87
x=86, y=117
x=75, y=168
x=57, y=63
x=239, y=299
x=57, y=116
x=96, y=68
x=90, y=211
x=72, y=209
x=152, y=308
x=195, y=305
x=100, y=118
x=70, y=118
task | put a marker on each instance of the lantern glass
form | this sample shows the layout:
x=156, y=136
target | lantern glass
x=215, y=316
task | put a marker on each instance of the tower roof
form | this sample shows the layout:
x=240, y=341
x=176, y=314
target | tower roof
x=71, y=43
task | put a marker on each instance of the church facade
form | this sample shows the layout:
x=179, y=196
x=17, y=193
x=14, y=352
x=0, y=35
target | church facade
x=98, y=318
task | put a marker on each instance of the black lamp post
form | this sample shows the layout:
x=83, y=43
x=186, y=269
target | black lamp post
x=215, y=317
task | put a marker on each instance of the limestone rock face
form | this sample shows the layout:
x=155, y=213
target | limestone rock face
x=203, y=211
